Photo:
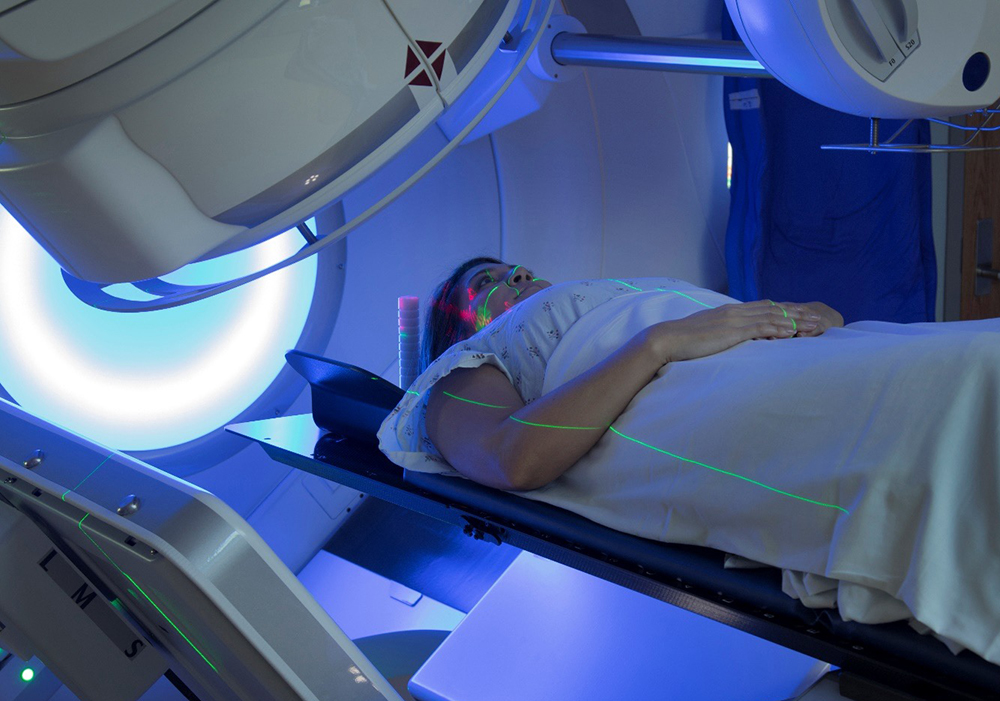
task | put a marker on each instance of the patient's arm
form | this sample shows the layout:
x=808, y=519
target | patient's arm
x=477, y=420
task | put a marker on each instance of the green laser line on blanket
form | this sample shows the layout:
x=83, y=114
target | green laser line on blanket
x=653, y=448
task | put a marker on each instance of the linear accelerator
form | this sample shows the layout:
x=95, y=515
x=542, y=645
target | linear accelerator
x=137, y=138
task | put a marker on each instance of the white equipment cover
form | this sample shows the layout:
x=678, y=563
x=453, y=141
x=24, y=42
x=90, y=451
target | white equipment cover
x=143, y=136
x=879, y=58
x=112, y=571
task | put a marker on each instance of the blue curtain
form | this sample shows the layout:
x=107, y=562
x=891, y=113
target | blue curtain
x=849, y=229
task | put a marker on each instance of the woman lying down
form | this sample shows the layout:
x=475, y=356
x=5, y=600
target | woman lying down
x=862, y=460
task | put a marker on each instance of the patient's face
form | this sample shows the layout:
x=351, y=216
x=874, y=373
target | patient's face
x=488, y=290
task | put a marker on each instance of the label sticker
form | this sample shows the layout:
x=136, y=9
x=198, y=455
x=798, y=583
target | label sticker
x=745, y=100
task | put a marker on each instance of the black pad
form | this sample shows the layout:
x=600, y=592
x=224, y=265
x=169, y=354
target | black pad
x=346, y=400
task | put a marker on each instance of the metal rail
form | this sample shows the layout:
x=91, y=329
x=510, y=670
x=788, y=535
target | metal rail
x=656, y=54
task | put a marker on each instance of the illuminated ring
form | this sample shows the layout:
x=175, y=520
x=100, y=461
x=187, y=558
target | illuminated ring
x=55, y=368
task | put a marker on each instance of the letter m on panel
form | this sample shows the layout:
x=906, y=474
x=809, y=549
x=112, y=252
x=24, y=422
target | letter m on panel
x=82, y=597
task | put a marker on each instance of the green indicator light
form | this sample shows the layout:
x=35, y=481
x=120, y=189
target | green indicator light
x=472, y=401
x=144, y=595
x=622, y=282
x=731, y=474
x=565, y=428
x=27, y=674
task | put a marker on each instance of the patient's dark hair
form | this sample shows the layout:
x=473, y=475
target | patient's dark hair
x=443, y=325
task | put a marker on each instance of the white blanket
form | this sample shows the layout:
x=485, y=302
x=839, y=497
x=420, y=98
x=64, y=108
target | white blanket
x=864, y=462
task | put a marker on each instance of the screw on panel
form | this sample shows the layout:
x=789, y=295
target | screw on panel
x=129, y=505
x=34, y=460
x=873, y=134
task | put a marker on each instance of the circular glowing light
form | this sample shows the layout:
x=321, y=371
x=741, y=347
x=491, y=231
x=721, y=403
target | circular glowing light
x=27, y=674
x=150, y=380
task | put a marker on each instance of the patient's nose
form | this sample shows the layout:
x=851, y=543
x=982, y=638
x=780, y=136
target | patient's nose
x=520, y=274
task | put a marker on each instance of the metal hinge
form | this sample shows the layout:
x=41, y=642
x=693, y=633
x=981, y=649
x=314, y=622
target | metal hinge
x=481, y=530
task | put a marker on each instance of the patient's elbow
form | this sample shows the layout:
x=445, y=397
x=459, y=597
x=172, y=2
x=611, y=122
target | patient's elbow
x=524, y=474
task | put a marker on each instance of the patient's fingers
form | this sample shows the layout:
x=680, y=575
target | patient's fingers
x=774, y=327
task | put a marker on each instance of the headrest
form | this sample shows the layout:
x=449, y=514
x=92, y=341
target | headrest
x=346, y=400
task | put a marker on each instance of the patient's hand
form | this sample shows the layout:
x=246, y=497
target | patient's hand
x=813, y=318
x=715, y=330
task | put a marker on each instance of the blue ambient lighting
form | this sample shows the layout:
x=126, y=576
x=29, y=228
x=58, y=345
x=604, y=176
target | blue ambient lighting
x=152, y=380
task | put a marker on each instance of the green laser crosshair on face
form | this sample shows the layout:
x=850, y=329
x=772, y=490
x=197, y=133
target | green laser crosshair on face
x=650, y=447
x=483, y=316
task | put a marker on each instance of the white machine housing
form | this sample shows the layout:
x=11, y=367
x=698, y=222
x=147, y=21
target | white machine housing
x=114, y=571
x=143, y=136
x=878, y=58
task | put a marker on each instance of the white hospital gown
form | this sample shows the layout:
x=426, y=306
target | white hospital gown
x=519, y=343
x=865, y=462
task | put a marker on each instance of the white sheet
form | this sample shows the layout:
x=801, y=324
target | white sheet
x=892, y=429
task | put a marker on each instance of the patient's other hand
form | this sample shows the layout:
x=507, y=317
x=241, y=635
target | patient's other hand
x=814, y=317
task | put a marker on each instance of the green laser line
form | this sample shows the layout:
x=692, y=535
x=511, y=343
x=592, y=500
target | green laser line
x=566, y=428
x=87, y=477
x=795, y=327
x=627, y=285
x=483, y=316
x=678, y=292
x=125, y=574
x=731, y=474
x=652, y=447
x=410, y=391
x=471, y=401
